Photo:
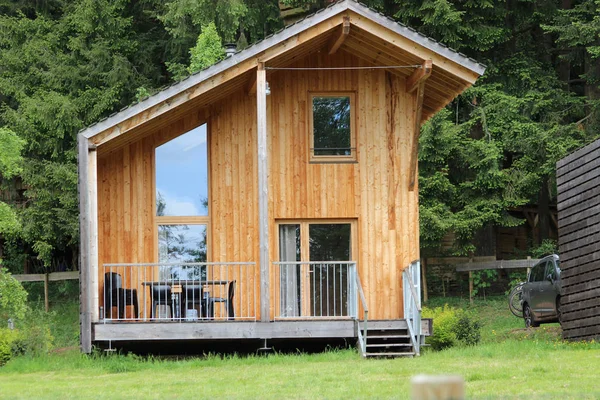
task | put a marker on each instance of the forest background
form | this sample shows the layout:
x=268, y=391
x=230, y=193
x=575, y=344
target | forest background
x=65, y=64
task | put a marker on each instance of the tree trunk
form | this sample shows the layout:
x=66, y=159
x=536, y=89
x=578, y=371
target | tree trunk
x=544, y=211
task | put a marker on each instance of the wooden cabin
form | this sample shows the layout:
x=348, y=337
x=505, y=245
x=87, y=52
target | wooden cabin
x=272, y=196
x=578, y=182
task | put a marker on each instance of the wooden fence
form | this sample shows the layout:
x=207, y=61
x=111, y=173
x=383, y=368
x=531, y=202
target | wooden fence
x=46, y=278
x=497, y=264
x=578, y=181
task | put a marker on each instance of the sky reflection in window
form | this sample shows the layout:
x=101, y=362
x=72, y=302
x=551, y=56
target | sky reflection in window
x=182, y=175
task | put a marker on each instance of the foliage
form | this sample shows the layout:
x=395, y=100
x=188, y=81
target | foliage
x=483, y=279
x=36, y=338
x=65, y=65
x=34, y=341
x=233, y=19
x=13, y=298
x=10, y=166
x=516, y=277
x=10, y=153
x=8, y=339
x=208, y=49
x=496, y=147
x=547, y=247
x=452, y=327
x=468, y=330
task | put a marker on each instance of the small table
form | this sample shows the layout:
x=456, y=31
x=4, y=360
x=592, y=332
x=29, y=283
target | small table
x=178, y=286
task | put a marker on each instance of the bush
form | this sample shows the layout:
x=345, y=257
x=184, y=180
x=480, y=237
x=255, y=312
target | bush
x=13, y=298
x=9, y=344
x=468, y=330
x=452, y=327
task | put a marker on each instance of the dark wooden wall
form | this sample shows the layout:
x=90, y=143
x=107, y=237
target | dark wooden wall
x=578, y=180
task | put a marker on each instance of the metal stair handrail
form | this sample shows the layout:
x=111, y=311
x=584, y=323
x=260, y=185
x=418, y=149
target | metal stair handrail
x=411, y=283
x=362, y=338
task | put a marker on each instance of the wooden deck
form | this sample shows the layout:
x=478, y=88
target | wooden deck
x=243, y=330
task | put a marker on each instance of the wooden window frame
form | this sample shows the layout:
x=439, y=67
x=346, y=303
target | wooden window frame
x=304, y=234
x=183, y=220
x=305, y=244
x=352, y=158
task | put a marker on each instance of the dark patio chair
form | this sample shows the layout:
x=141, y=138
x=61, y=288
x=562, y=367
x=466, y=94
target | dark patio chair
x=228, y=302
x=161, y=296
x=193, y=298
x=117, y=296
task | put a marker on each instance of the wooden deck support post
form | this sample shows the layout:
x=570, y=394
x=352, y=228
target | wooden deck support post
x=85, y=319
x=263, y=195
x=93, y=247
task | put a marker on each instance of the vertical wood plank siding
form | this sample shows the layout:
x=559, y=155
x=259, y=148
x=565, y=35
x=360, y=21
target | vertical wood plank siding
x=373, y=191
x=578, y=183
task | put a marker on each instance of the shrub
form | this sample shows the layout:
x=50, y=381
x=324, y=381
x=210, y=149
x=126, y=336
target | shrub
x=13, y=298
x=9, y=340
x=468, y=329
x=452, y=327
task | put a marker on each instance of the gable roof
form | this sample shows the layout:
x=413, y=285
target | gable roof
x=397, y=43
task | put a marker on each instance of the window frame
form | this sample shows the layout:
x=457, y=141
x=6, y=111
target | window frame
x=305, y=232
x=353, y=157
x=183, y=220
x=305, y=245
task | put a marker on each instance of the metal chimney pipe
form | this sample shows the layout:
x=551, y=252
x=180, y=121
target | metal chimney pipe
x=230, y=49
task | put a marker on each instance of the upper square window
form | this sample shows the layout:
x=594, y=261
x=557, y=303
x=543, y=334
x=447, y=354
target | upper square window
x=332, y=127
x=182, y=175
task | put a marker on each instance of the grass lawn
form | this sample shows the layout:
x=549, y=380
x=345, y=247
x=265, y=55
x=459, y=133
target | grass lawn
x=510, y=363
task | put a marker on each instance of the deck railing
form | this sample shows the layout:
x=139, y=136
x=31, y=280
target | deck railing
x=411, y=285
x=316, y=289
x=362, y=336
x=182, y=292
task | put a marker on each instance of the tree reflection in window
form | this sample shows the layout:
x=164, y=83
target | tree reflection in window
x=182, y=244
x=331, y=126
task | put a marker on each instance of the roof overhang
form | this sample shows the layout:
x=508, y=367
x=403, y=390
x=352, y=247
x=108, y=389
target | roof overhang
x=373, y=37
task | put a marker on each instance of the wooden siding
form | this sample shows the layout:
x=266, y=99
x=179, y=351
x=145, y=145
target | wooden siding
x=126, y=198
x=372, y=191
x=579, y=241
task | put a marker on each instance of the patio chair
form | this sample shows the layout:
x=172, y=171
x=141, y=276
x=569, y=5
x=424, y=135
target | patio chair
x=193, y=296
x=117, y=296
x=161, y=296
x=228, y=302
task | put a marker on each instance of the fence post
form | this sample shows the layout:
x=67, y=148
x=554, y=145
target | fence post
x=471, y=282
x=46, y=302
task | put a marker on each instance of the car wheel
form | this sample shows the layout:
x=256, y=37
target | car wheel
x=529, y=318
x=558, y=311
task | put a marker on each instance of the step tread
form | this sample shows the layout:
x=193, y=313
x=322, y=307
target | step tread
x=409, y=354
x=390, y=345
x=388, y=336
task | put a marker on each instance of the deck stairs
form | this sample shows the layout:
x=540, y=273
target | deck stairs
x=388, y=339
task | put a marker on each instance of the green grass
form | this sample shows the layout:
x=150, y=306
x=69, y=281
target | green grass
x=510, y=363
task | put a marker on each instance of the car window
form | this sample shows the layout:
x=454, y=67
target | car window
x=537, y=273
x=550, y=270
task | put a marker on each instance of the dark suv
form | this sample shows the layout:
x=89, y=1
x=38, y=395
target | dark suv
x=541, y=292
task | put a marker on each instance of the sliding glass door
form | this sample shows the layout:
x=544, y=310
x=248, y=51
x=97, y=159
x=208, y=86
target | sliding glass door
x=314, y=268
